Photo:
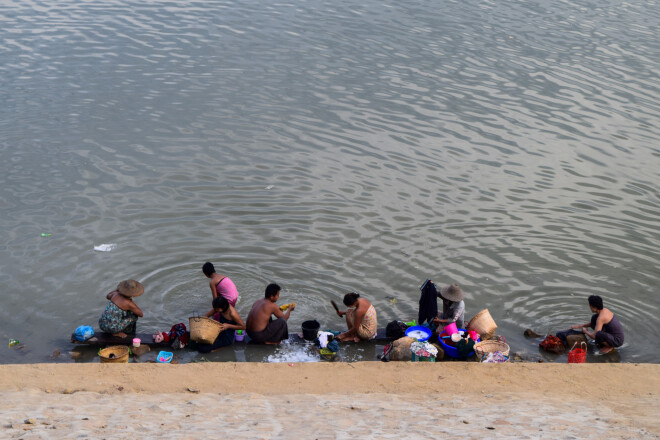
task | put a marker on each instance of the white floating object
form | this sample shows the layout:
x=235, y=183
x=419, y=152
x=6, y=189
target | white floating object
x=270, y=187
x=105, y=247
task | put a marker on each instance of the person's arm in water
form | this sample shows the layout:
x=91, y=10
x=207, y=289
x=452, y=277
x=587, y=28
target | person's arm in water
x=209, y=313
x=604, y=317
x=212, y=286
x=580, y=326
x=360, y=311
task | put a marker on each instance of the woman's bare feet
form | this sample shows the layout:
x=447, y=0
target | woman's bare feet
x=606, y=350
x=120, y=335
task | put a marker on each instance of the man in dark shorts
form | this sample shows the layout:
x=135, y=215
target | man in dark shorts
x=260, y=324
x=608, y=332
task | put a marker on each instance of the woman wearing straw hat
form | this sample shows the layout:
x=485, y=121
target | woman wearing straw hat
x=453, y=307
x=121, y=314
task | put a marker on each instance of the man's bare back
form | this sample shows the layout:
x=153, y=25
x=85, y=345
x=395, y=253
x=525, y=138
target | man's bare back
x=260, y=313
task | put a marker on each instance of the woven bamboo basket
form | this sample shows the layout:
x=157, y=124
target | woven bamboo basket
x=203, y=330
x=485, y=347
x=119, y=355
x=483, y=324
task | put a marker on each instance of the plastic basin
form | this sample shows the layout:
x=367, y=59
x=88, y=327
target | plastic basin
x=417, y=331
x=452, y=351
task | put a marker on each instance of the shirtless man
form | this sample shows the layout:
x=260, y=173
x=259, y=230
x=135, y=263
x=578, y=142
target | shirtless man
x=607, y=330
x=260, y=325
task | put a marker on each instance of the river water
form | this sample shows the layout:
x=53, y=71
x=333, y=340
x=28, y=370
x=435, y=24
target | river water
x=511, y=147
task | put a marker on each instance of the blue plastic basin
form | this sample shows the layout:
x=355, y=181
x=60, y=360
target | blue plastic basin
x=453, y=351
x=426, y=331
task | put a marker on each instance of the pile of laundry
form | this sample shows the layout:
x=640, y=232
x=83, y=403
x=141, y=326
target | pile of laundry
x=178, y=336
x=423, y=349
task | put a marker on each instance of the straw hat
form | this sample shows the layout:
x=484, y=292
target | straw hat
x=452, y=293
x=130, y=288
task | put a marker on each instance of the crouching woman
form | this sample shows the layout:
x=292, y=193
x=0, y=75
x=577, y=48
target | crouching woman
x=229, y=320
x=121, y=314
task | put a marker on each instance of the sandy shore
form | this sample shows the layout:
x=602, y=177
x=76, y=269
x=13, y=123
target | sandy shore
x=330, y=400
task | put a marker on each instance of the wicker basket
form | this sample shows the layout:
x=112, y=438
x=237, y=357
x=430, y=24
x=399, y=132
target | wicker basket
x=483, y=324
x=485, y=347
x=203, y=330
x=119, y=355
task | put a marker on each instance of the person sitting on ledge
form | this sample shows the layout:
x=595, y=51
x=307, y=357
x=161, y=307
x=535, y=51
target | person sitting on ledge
x=608, y=332
x=121, y=314
x=261, y=327
x=361, y=319
x=230, y=320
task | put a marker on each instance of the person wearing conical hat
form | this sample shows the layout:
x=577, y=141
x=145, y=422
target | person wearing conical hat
x=453, y=306
x=121, y=314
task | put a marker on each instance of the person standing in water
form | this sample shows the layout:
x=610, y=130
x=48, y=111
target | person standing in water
x=220, y=284
x=361, y=319
x=121, y=314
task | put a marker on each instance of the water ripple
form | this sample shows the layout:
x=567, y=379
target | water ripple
x=356, y=146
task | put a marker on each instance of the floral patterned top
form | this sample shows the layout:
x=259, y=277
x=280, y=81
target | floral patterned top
x=115, y=320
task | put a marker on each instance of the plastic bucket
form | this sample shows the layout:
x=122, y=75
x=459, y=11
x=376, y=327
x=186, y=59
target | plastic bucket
x=310, y=329
x=239, y=335
x=451, y=329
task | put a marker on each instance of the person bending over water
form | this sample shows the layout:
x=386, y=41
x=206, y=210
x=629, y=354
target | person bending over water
x=260, y=324
x=608, y=332
x=220, y=284
x=453, y=307
x=229, y=319
x=121, y=314
x=361, y=319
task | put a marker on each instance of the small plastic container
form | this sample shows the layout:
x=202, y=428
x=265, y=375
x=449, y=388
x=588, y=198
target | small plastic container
x=239, y=335
x=451, y=329
x=164, y=357
x=136, y=342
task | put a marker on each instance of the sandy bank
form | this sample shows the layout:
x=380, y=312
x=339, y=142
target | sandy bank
x=330, y=400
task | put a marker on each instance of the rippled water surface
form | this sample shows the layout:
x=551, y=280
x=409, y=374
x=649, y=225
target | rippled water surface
x=512, y=147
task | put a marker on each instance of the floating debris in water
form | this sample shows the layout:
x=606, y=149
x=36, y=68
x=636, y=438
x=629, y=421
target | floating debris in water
x=106, y=247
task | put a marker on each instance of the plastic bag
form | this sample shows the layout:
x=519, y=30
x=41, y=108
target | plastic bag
x=83, y=333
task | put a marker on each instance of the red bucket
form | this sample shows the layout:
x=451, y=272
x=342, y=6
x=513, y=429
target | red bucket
x=578, y=355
